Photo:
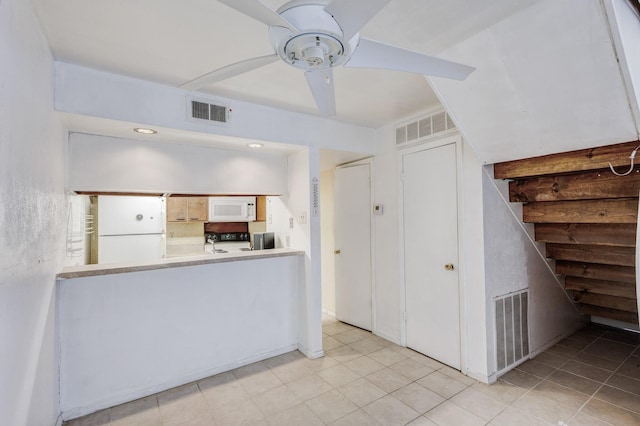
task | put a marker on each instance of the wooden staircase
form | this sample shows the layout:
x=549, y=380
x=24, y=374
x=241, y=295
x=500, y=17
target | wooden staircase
x=587, y=218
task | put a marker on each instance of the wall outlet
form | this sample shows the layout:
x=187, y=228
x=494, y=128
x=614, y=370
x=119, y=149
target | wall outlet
x=290, y=223
x=303, y=218
x=378, y=209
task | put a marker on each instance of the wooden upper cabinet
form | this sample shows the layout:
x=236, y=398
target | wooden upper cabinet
x=187, y=209
x=177, y=209
x=198, y=208
x=261, y=208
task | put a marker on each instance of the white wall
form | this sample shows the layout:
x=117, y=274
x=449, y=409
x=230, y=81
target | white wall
x=626, y=33
x=285, y=219
x=138, y=101
x=475, y=324
x=328, y=242
x=126, y=336
x=304, y=168
x=388, y=297
x=100, y=163
x=32, y=220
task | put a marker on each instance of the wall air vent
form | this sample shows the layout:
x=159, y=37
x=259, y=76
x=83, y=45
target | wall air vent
x=423, y=129
x=201, y=110
x=512, y=329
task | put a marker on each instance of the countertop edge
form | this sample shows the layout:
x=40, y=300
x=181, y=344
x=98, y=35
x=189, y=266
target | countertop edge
x=71, y=272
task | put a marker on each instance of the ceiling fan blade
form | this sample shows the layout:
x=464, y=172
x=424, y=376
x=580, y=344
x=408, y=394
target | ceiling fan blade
x=258, y=11
x=373, y=54
x=228, y=72
x=352, y=15
x=321, y=85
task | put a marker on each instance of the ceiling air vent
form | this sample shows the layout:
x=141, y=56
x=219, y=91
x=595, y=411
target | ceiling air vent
x=432, y=126
x=201, y=110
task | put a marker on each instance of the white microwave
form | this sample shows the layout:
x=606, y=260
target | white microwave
x=232, y=209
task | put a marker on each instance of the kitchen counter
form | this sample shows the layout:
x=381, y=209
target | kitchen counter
x=173, y=262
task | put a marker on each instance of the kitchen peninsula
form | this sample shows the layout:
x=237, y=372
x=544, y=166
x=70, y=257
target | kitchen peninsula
x=130, y=330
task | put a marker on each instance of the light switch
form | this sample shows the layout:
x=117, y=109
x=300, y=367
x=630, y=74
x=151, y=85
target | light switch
x=378, y=209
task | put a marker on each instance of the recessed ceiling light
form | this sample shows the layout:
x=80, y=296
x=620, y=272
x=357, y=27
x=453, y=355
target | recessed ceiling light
x=255, y=145
x=145, y=131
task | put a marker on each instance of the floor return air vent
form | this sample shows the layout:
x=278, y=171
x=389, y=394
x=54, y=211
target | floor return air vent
x=512, y=329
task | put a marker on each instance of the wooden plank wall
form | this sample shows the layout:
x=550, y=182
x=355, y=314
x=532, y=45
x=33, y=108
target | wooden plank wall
x=587, y=217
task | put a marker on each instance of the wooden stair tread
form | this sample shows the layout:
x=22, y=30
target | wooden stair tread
x=611, y=288
x=623, y=210
x=625, y=274
x=606, y=301
x=615, y=314
x=566, y=162
x=610, y=255
x=608, y=234
x=583, y=186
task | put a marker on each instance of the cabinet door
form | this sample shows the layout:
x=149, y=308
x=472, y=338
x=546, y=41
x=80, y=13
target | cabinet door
x=177, y=209
x=198, y=209
x=261, y=208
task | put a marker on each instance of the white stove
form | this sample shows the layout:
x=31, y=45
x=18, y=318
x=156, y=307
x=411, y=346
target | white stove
x=227, y=242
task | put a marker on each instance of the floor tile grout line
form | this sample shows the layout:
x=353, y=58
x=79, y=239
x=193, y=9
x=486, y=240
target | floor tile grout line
x=466, y=386
x=530, y=390
x=412, y=382
x=415, y=381
x=593, y=395
x=590, y=397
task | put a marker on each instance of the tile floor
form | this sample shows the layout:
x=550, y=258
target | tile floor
x=591, y=378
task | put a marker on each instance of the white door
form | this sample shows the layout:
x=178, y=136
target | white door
x=353, y=245
x=431, y=253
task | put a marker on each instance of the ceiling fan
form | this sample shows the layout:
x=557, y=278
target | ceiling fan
x=319, y=35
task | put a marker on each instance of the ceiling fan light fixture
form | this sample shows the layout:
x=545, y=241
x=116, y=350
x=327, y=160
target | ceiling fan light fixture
x=319, y=46
x=313, y=56
x=312, y=51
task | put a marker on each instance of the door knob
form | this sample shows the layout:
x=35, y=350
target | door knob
x=448, y=267
x=336, y=251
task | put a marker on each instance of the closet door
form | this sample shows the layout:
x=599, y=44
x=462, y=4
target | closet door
x=353, y=245
x=430, y=215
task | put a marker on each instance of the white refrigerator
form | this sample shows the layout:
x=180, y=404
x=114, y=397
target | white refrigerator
x=131, y=228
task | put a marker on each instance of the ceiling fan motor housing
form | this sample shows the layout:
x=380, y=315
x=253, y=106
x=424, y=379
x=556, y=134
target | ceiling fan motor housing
x=318, y=44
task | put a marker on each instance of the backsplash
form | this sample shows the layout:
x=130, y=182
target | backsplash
x=182, y=230
x=257, y=227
